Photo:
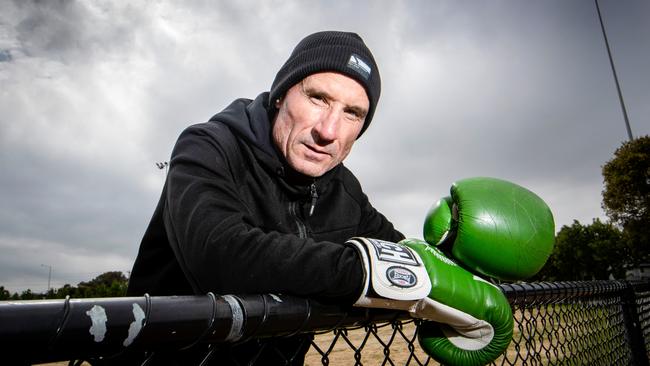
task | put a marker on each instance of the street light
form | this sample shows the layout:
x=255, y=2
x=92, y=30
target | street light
x=49, y=276
x=163, y=165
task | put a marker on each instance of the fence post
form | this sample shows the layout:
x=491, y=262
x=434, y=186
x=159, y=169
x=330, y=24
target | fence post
x=633, y=326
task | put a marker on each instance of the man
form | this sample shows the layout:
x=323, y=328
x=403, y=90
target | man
x=257, y=200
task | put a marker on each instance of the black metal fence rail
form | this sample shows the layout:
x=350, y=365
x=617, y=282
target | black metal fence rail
x=576, y=323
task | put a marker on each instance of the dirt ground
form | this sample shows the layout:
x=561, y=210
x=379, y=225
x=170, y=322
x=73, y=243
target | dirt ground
x=342, y=353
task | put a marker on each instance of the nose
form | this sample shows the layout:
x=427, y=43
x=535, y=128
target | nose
x=327, y=128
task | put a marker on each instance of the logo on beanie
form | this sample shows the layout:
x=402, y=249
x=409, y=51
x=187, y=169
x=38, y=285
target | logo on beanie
x=357, y=64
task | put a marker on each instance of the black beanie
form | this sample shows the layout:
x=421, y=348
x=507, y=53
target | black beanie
x=341, y=52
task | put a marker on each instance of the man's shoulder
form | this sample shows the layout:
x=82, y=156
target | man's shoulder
x=212, y=130
x=208, y=140
x=348, y=181
x=211, y=126
x=344, y=173
x=220, y=126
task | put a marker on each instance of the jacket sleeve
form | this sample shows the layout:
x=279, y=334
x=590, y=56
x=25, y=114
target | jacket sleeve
x=373, y=224
x=219, y=249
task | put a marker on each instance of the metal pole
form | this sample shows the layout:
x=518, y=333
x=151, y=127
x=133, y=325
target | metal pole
x=633, y=325
x=611, y=63
x=49, y=276
x=39, y=331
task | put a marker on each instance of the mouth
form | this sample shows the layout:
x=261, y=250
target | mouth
x=319, y=153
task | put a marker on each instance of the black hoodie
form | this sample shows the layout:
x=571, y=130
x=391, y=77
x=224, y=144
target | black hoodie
x=235, y=218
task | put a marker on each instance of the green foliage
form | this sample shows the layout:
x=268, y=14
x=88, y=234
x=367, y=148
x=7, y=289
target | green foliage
x=586, y=252
x=28, y=295
x=108, y=284
x=626, y=196
x=4, y=294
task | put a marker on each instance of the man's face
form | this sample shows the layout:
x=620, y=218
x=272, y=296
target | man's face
x=319, y=120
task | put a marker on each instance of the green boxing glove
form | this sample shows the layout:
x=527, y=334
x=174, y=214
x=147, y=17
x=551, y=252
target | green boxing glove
x=473, y=320
x=492, y=227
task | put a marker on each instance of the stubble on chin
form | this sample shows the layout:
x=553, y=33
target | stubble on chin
x=309, y=164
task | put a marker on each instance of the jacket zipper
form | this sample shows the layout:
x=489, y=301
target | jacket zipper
x=314, y=197
x=302, y=229
x=293, y=210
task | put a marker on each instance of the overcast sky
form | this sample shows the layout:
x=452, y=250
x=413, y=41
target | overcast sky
x=94, y=93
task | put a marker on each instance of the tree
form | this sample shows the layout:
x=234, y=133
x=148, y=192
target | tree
x=66, y=290
x=28, y=295
x=586, y=252
x=108, y=284
x=4, y=293
x=626, y=195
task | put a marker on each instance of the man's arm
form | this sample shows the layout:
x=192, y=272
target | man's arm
x=375, y=225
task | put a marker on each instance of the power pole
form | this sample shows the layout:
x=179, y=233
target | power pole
x=611, y=63
x=49, y=276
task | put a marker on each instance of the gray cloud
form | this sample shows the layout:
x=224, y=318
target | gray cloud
x=93, y=94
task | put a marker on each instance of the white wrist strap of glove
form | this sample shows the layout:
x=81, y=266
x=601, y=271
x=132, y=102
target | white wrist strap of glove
x=394, y=276
x=462, y=329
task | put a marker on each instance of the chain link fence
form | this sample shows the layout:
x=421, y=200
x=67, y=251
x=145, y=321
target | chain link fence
x=565, y=323
x=562, y=323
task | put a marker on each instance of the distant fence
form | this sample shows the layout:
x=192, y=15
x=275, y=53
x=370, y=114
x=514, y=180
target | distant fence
x=574, y=323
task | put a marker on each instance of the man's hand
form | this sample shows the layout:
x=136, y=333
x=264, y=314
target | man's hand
x=414, y=276
x=490, y=227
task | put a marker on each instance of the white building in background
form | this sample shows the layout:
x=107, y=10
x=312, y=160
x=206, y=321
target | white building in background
x=638, y=273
